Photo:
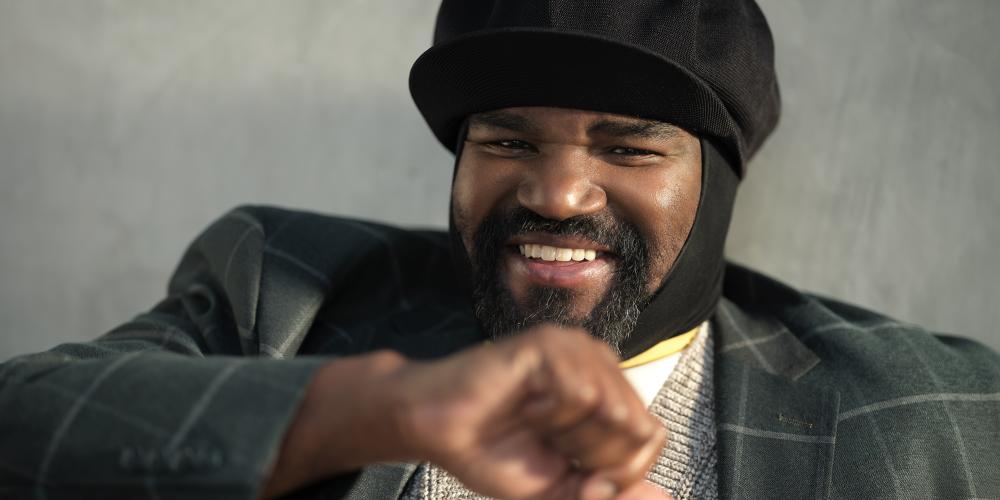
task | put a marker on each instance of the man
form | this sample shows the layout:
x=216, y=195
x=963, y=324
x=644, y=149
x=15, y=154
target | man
x=598, y=148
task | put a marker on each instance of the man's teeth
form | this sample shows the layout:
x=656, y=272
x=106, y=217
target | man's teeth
x=548, y=253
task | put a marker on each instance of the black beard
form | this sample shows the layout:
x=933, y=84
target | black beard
x=613, y=318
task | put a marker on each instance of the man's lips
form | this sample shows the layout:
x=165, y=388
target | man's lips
x=558, y=261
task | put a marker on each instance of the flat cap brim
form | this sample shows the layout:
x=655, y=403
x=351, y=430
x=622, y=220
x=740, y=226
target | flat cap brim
x=510, y=67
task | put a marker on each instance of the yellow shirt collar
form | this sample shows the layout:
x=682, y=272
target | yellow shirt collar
x=673, y=345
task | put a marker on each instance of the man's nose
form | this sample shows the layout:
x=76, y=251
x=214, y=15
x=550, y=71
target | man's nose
x=561, y=186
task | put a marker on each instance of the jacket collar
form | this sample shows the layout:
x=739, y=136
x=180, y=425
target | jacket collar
x=381, y=482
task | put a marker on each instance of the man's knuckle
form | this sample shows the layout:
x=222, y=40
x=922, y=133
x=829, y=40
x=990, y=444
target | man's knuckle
x=635, y=470
x=525, y=354
x=584, y=396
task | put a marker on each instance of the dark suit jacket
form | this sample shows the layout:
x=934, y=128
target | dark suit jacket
x=815, y=398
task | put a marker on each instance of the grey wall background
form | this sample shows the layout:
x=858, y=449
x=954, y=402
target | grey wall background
x=126, y=127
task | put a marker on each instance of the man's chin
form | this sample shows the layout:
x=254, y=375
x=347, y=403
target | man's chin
x=555, y=305
x=507, y=312
x=611, y=320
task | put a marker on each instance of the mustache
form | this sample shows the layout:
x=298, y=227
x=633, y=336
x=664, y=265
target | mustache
x=604, y=228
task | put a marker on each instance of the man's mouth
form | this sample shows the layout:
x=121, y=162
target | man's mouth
x=559, y=261
x=549, y=253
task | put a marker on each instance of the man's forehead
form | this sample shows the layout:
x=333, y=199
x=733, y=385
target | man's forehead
x=534, y=120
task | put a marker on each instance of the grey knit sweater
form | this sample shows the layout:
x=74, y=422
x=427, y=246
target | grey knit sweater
x=687, y=465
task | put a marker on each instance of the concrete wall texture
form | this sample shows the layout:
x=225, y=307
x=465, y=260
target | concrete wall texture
x=126, y=127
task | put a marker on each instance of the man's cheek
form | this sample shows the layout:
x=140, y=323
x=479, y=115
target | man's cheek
x=464, y=232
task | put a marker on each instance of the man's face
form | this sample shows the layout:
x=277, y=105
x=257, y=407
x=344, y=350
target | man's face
x=572, y=216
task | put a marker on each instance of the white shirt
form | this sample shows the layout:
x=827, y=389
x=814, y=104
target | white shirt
x=648, y=379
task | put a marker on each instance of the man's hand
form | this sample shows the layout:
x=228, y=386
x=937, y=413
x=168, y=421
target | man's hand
x=546, y=414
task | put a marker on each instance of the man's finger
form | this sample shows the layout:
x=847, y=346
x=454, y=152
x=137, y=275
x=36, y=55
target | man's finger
x=644, y=491
x=634, y=470
x=570, y=394
x=600, y=442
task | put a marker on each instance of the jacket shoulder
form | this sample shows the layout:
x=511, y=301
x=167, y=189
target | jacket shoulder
x=858, y=343
x=268, y=272
x=282, y=227
x=908, y=404
x=247, y=236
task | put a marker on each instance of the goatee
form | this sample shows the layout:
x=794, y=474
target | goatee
x=613, y=318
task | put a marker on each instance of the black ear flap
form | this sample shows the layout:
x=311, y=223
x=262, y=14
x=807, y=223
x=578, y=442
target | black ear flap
x=692, y=288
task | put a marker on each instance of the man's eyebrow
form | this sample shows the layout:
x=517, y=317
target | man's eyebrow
x=646, y=129
x=504, y=120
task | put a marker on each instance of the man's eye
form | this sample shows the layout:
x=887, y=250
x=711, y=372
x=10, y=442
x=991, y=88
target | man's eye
x=512, y=144
x=626, y=151
x=510, y=148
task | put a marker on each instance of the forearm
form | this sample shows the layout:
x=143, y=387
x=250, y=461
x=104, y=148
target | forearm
x=343, y=423
x=123, y=424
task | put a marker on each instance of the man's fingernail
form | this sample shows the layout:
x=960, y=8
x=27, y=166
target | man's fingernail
x=600, y=490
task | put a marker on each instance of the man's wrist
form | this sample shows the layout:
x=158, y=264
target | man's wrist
x=360, y=391
x=343, y=423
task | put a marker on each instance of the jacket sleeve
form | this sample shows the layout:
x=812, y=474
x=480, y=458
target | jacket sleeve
x=184, y=401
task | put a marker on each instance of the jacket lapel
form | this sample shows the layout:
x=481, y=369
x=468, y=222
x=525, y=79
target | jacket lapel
x=776, y=432
x=381, y=482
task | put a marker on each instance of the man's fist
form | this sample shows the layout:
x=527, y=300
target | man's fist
x=545, y=414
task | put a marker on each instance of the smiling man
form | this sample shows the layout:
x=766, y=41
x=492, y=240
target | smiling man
x=576, y=334
x=573, y=217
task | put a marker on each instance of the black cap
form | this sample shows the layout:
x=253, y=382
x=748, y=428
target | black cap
x=705, y=65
